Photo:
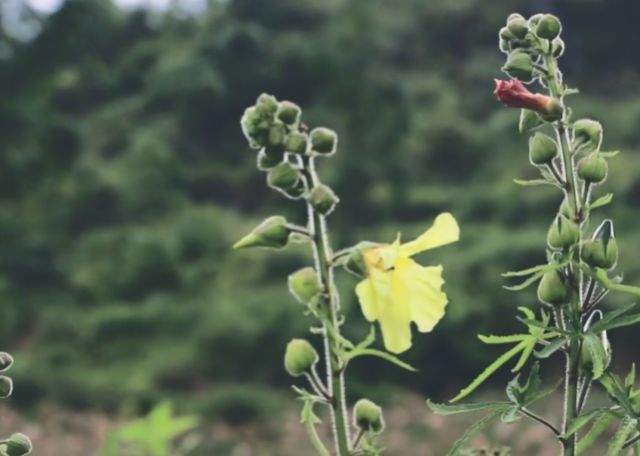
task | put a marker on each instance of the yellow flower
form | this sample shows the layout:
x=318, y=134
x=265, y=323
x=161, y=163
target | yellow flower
x=397, y=290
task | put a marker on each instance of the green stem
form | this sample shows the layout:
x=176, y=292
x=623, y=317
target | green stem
x=335, y=375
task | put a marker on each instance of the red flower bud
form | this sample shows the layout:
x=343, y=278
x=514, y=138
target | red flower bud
x=515, y=95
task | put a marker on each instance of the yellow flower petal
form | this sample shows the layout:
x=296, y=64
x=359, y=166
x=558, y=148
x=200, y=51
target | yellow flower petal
x=421, y=288
x=444, y=230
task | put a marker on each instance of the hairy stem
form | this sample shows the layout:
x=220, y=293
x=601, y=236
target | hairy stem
x=335, y=375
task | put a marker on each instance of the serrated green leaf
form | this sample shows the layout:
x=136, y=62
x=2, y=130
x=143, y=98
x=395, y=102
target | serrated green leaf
x=450, y=409
x=599, y=426
x=508, y=339
x=474, y=429
x=616, y=444
x=602, y=201
x=582, y=420
x=550, y=349
x=598, y=354
x=511, y=414
x=602, y=324
x=494, y=366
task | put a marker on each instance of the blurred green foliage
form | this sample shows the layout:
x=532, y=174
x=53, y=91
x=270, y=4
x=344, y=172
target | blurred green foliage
x=125, y=179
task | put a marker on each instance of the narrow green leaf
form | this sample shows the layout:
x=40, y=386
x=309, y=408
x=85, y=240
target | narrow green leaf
x=449, y=409
x=355, y=353
x=604, y=280
x=582, y=420
x=550, y=349
x=533, y=182
x=599, y=426
x=494, y=366
x=602, y=201
x=508, y=339
x=526, y=353
x=630, y=379
x=601, y=325
x=598, y=354
x=609, y=153
x=616, y=444
x=525, y=284
x=474, y=429
x=620, y=322
x=525, y=272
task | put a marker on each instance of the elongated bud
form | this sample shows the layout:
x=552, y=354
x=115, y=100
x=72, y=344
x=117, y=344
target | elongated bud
x=542, y=149
x=355, y=261
x=548, y=27
x=528, y=120
x=272, y=232
x=296, y=143
x=602, y=250
x=17, y=445
x=593, y=168
x=323, y=199
x=323, y=141
x=288, y=113
x=6, y=386
x=586, y=359
x=563, y=233
x=299, y=357
x=519, y=65
x=587, y=134
x=269, y=158
x=517, y=25
x=283, y=176
x=6, y=361
x=552, y=289
x=367, y=416
x=267, y=104
x=304, y=285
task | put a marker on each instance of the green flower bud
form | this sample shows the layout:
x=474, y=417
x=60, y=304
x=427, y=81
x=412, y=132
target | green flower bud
x=523, y=45
x=17, y=445
x=557, y=47
x=519, y=65
x=355, y=261
x=505, y=34
x=368, y=416
x=542, y=149
x=267, y=104
x=296, y=191
x=283, y=176
x=504, y=46
x=528, y=120
x=323, y=141
x=299, y=357
x=601, y=251
x=554, y=111
x=296, y=143
x=304, y=285
x=269, y=157
x=567, y=210
x=587, y=134
x=535, y=20
x=255, y=127
x=323, y=199
x=288, y=113
x=549, y=27
x=277, y=135
x=6, y=386
x=592, y=168
x=563, y=233
x=272, y=232
x=552, y=289
x=517, y=25
x=6, y=360
x=586, y=359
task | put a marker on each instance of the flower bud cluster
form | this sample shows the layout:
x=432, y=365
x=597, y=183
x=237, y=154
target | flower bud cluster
x=17, y=444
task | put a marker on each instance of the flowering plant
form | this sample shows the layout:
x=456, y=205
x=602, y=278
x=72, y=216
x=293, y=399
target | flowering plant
x=394, y=290
x=572, y=319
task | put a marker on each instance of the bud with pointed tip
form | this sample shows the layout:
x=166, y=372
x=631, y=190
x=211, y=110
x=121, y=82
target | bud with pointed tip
x=283, y=176
x=601, y=251
x=367, y=416
x=587, y=134
x=552, y=289
x=506, y=35
x=593, y=168
x=323, y=199
x=296, y=143
x=16, y=445
x=355, y=261
x=6, y=361
x=519, y=65
x=272, y=232
x=548, y=27
x=304, y=285
x=323, y=141
x=542, y=149
x=563, y=233
x=528, y=120
x=517, y=25
x=6, y=386
x=299, y=357
x=288, y=113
